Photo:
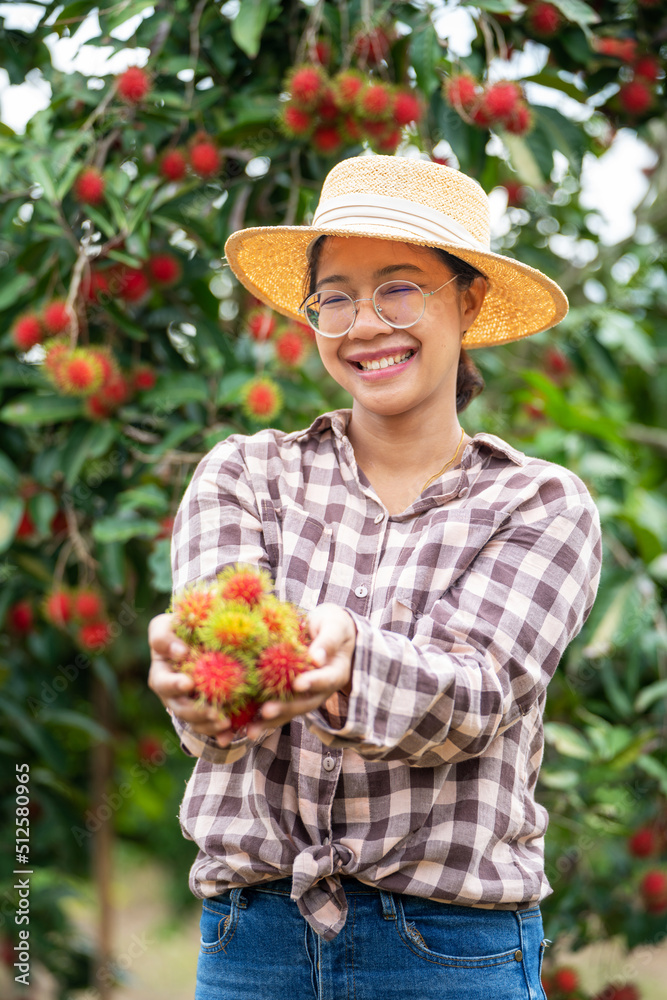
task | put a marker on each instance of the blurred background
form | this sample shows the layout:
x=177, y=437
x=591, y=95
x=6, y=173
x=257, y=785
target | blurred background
x=133, y=139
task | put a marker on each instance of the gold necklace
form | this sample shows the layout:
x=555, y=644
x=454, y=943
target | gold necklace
x=446, y=465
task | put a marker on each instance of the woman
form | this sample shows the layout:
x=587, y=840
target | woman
x=378, y=836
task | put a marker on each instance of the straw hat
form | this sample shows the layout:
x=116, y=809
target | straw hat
x=412, y=201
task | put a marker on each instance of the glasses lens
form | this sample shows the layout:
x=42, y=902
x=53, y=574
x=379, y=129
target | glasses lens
x=330, y=313
x=399, y=303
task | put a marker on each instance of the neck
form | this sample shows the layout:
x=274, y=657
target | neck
x=405, y=444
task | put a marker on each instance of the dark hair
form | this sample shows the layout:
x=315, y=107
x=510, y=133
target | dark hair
x=469, y=381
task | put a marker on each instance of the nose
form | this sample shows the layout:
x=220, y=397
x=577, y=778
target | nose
x=367, y=323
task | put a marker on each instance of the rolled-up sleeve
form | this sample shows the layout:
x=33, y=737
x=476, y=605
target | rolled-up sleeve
x=484, y=654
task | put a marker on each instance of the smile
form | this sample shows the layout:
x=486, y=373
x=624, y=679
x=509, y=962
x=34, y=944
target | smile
x=386, y=362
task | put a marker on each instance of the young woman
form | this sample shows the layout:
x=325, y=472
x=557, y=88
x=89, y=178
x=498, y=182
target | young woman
x=378, y=837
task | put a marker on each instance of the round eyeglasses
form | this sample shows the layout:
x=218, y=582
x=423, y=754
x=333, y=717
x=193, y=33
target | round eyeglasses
x=400, y=304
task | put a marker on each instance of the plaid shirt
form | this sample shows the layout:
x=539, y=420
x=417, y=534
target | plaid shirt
x=422, y=780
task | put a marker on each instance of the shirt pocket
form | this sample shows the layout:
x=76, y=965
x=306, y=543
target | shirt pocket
x=298, y=546
x=442, y=552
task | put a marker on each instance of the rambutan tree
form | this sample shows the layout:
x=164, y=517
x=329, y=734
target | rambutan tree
x=128, y=351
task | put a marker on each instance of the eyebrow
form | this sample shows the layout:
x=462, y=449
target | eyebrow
x=382, y=272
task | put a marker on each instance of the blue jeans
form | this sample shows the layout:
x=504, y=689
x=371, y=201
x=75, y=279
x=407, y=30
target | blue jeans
x=255, y=945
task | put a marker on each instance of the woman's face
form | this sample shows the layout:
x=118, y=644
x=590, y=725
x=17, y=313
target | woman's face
x=424, y=382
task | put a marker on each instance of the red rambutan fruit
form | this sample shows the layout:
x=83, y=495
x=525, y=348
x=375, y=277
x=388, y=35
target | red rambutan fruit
x=565, y=979
x=27, y=331
x=166, y=527
x=243, y=584
x=544, y=19
x=644, y=842
x=306, y=84
x=635, y=97
x=628, y=991
x=521, y=121
x=95, y=287
x=281, y=619
x=515, y=193
x=57, y=353
x=322, y=52
x=243, y=716
x=327, y=139
x=205, y=158
x=290, y=348
x=173, y=165
x=80, y=374
x=164, y=269
x=261, y=399
x=375, y=102
x=296, y=122
x=648, y=68
x=350, y=128
x=133, y=84
x=219, y=679
x=132, y=284
x=87, y=605
x=277, y=666
x=26, y=526
x=56, y=317
x=89, y=186
x=20, y=617
x=143, y=378
x=192, y=607
x=407, y=108
x=95, y=636
x=58, y=607
x=148, y=748
x=389, y=142
x=346, y=88
x=106, y=361
x=462, y=91
x=261, y=324
x=557, y=363
x=327, y=110
x=58, y=522
x=501, y=99
x=623, y=49
x=372, y=47
x=654, y=884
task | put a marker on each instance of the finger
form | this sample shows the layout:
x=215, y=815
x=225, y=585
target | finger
x=324, y=679
x=205, y=720
x=278, y=713
x=163, y=640
x=167, y=682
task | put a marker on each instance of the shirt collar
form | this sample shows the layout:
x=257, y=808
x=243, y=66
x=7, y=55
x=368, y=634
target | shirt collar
x=338, y=420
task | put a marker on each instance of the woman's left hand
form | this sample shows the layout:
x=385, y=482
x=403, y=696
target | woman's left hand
x=334, y=634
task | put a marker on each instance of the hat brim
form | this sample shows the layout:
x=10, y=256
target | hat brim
x=270, y=261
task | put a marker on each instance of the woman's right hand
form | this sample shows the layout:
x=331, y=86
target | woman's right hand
x=173, y=687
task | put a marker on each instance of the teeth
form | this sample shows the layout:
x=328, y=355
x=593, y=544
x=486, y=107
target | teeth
x=396, y=359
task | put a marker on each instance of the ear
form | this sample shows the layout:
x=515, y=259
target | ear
x=471, y=302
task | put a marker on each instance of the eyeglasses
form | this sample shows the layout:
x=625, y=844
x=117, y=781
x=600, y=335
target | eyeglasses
x=400, y=304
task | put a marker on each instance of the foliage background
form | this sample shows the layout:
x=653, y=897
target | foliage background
x=99, y=493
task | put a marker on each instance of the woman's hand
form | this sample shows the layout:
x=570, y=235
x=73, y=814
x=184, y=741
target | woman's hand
x=174, y=688
x=334, y=635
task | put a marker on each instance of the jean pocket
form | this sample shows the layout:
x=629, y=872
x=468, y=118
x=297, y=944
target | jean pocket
x=459, y=937
x=219, y=920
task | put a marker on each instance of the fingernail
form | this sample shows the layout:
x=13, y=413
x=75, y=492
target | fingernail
x=270, y=711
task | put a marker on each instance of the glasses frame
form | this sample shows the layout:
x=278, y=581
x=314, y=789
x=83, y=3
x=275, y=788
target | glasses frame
x=378, y=312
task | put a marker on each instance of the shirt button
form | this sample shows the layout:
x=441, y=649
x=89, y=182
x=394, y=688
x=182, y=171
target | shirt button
x=326, y=842
x=463, y=493
x=361, y=591
x=379, y=518
x=328, y=763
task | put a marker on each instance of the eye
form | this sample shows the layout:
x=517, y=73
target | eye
x=333, y=299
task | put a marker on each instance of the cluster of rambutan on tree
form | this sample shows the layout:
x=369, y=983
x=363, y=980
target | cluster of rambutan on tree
x=128, y=351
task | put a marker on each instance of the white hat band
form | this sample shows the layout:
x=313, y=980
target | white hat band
x=374, y=211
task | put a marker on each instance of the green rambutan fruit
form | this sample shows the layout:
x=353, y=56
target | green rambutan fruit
x=192, y=608
x=234, y=628
x=281, y=619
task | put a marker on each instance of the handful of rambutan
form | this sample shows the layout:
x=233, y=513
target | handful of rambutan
x=246, y=645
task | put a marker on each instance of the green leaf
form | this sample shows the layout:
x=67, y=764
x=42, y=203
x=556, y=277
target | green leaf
x=31, y=409
x=567, y=740
x=425, y=51
x=11, y=511
x=150, y=497
x=229, y=387
x=611, y=627
x=37, y=167
x=646, y=512
x=66, y=717
x=248, y=25
x=523, y=160
x=111, y=557
x=159, y=563
x=655, y=769
x=101, y=221
x=42, y=510
x=121, y=529
x=577, y=11
x=13, y=288
x=120, y=13
x=650, y=694
x=558, y=132
x=560, y=780
x=9, y=474
x=172, y=391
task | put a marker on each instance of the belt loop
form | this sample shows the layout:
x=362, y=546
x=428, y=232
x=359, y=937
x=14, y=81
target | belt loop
x=388, y=907
x=236, y=897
